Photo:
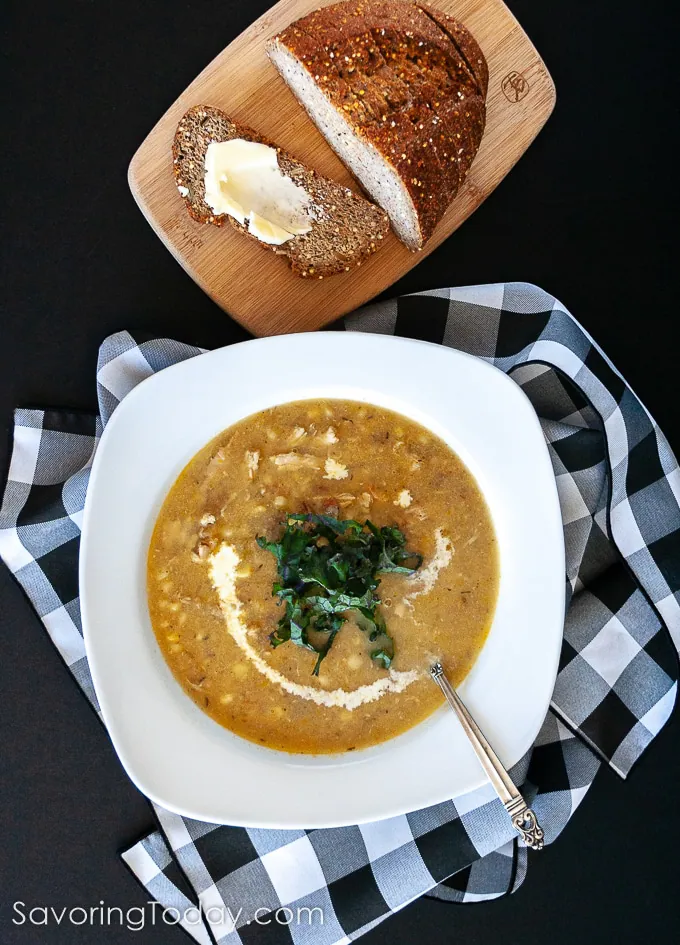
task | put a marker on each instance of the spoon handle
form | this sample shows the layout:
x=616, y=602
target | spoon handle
x=523, y=818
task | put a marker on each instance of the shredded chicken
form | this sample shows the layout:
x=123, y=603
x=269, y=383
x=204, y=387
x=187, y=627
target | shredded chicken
x=295, y=461
x=206, y=537
x=404, y=499
x=329, y=436
x=334, y=469
x=218, y=459
x=252, y=462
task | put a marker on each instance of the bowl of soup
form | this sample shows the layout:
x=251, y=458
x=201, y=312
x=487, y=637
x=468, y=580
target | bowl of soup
x=280, y=538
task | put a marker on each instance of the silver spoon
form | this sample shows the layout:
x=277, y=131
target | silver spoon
x=523, y=818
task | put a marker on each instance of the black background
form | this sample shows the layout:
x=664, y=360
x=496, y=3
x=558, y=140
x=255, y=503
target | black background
x=588, y=214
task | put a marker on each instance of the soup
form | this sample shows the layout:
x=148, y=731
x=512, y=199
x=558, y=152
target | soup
x=289, y=620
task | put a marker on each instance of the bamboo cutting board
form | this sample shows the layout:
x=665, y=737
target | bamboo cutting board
x=254, y=285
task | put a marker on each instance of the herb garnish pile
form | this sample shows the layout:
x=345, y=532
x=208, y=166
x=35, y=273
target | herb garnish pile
x=327, y=567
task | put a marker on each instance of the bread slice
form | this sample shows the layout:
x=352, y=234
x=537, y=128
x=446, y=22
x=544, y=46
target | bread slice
x=398, y=90
x=346, y=229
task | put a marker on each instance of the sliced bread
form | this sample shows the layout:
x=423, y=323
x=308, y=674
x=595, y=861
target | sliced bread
x=398, y=90
x=346, y=228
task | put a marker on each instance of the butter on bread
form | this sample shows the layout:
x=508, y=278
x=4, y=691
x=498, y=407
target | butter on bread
x=346, y=228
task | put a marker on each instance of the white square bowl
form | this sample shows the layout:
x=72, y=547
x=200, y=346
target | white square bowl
x=175, y=753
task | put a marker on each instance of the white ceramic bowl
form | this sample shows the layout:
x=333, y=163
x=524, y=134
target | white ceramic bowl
x=184, y=760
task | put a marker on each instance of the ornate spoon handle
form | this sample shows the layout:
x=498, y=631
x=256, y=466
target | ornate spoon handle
x=522, y=816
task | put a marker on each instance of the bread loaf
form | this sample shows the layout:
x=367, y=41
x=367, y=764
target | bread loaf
x=346, y=228
x=398, y=89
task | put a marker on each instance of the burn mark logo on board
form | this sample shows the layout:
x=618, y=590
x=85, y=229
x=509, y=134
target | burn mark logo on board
x=514, y=86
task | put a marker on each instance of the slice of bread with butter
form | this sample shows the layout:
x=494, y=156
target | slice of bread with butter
x=226, y=172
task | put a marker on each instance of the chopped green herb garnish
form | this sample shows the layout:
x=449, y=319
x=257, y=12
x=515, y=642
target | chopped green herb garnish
x=327, y=567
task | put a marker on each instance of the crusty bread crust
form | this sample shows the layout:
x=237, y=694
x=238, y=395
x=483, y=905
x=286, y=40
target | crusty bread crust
x=410, y=80
x=467, y=45
x=348, y=228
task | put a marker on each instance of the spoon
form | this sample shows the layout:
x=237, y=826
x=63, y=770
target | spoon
x=523, y=818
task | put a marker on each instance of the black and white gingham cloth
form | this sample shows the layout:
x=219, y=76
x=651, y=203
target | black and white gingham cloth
x=619, y=488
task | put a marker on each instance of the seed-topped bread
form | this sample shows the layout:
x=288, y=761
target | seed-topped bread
x=345, y=228
x=398, y=90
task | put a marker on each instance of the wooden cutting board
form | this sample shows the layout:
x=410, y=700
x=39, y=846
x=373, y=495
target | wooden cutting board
x=255, y=286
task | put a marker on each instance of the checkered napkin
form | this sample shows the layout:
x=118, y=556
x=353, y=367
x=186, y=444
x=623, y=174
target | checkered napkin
x=619, y=490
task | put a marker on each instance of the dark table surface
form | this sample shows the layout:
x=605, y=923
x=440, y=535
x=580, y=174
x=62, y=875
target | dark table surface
x=587, y=214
